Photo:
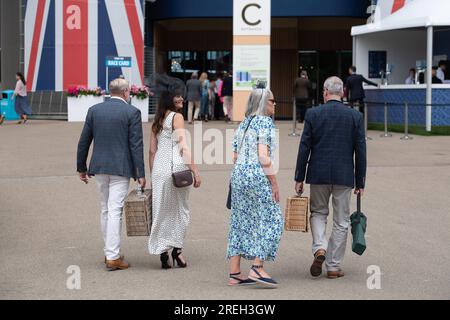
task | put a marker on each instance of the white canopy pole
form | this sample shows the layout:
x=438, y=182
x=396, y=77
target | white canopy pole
x=428, y=81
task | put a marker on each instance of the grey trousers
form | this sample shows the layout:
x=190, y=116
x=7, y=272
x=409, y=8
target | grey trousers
x=335, y=247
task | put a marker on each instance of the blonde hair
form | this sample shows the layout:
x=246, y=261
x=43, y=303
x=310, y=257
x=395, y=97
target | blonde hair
x=203, y=76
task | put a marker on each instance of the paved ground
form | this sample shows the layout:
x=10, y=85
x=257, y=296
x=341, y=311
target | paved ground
x=49, y=220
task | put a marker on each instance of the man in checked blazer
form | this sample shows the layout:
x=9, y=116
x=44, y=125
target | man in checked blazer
x=118, y=155
x=333, y=148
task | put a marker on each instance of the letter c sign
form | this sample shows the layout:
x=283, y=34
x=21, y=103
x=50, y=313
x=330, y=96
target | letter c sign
x=255, y=23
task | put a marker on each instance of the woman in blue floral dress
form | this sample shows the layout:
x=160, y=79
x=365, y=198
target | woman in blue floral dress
x=256, y=220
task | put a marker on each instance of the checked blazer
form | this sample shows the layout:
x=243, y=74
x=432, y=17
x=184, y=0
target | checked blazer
x=332, y=150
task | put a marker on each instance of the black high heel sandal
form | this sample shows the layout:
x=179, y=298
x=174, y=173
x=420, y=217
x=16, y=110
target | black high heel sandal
x=164, y=257
x=175, y=257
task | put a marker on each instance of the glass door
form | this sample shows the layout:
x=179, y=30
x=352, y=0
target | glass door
x=321, y=65
x=309, y=61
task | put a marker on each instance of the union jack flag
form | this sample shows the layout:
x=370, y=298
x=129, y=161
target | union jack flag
x=67, y=42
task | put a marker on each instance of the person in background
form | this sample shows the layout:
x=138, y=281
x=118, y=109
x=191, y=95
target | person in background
x=412, y=77
x=204, y=113
x=2, y=117
x=256, y=220
x=440, y=72
x=211, y=98
x=169, y=153
x=302, y=86
x=355, y=90
x=218, y=110
x=332, y=156
x=227, y=94
x=194, y=94
x=21, y=105
x=221, y=99
x=434, y=77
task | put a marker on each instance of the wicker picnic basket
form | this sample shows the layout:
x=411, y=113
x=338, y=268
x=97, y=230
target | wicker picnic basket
x=138, y=213
x=296, y=215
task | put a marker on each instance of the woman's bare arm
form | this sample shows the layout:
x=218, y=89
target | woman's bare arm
x=153, y=149
x=267, y=165
x=180, y=135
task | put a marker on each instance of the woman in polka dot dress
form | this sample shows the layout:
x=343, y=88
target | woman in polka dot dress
x=170, y=210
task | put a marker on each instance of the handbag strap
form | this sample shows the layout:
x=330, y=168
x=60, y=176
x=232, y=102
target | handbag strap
x=358, y=203
x=171, y=140
x=245, y=132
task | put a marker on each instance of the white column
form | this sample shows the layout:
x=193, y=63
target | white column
x=428, y=80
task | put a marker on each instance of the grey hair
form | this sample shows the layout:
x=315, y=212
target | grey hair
x=118, y=86
x=334, y=86
x=257, y=102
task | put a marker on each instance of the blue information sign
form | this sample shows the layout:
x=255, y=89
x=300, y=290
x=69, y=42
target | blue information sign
x=123, y=62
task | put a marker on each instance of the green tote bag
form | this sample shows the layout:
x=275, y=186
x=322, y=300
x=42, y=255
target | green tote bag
x=359, y=224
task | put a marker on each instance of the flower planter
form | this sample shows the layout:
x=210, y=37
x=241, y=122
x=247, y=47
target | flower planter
x=77, y=107
x=141, y=104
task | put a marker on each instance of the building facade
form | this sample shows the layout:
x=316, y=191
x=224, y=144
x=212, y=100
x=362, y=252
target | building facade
x=60, y=43
x=306, y=35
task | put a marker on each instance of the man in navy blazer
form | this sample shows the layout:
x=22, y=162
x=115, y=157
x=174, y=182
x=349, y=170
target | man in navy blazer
x=118, y=155
x=333, y=149
x=355, y=89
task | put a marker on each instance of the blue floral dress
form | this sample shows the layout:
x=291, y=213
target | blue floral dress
x=256, y=220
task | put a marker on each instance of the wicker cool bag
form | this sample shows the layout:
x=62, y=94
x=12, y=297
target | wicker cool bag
x=296, y=214
x=138, y=212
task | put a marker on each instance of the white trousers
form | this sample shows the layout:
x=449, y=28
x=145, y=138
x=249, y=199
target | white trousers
x=113, y=191
x=228, y=106
x=193, y=105
x=335, y=247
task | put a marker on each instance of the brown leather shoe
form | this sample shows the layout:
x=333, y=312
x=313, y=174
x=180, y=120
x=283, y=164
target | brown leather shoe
x=118, y=264
x=121, y=257
x=316, y=267
x=335, y=274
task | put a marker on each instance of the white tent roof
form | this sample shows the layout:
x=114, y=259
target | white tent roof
x=417, y=13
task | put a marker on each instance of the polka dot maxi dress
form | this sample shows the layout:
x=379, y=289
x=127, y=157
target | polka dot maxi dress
x=170, y=210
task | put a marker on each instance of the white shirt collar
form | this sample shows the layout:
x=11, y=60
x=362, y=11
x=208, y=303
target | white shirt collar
x=119, y=98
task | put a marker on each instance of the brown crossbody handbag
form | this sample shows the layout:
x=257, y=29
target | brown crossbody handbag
x=183, y=178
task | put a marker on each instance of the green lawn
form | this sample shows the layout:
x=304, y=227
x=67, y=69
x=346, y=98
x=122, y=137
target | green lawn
x=413, y=129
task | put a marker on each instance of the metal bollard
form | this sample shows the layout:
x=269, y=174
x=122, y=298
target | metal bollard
x=365, y=121
x=294, y=125
x=386, y=133
x=406, y=135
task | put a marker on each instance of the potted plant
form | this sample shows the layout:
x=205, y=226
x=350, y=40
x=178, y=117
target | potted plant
x=140, y=98
x=79, y=100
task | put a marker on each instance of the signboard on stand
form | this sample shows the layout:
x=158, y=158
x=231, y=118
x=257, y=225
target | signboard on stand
x=251, y=50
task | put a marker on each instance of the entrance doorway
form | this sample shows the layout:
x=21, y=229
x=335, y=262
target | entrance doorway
x=183, y=63
x=323, y=64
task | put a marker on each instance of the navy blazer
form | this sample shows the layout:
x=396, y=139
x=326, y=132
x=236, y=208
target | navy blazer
x=116, y=128
x=332, y=138
x=354, y=85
